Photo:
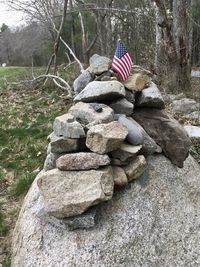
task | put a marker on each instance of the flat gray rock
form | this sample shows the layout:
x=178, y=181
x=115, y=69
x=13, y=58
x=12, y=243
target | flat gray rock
x=70, y=193
x=169, y=98
x=150, y=97
x=62, y=144
x=122, y=106
x=82, y=80
x=82, y=161
x=67, y=127
x=101, y=91
x=95, y=113
x=185, y=106
x=152, y=222
x=99, y=64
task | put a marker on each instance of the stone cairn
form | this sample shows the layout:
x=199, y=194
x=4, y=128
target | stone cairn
x=101, y=144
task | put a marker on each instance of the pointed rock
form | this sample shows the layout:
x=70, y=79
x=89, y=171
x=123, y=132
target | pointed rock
x=150, y=97
x=66, y=126
x=167, y=133
x=82, y=80
x=99, y=64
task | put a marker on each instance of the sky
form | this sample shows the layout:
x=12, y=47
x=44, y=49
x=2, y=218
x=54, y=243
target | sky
x=10, y=18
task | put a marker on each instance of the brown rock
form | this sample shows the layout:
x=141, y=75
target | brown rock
x=81, y=161
x=167, y=133
x=104, y=138
x=137, y=82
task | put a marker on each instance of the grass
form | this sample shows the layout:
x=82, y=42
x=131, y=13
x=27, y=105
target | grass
x=25, y=122
x=3, y=226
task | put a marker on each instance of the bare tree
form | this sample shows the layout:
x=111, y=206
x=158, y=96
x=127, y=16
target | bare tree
x=173, y=35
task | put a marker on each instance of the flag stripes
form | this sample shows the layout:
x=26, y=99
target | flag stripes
x=122, y=62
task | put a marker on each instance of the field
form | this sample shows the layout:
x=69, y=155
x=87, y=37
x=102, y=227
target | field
x=26, y=121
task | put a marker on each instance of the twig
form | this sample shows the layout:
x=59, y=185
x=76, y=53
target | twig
x=72, y=53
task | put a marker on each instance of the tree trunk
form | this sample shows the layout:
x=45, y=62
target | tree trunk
x=181, y=34
x=174, y=35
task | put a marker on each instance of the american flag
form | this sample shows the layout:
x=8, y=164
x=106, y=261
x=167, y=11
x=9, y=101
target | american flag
x=122, y=62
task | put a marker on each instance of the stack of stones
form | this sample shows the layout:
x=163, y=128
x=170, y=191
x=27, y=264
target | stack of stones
x=102, y=142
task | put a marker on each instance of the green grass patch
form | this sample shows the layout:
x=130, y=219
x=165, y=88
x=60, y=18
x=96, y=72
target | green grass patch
x=14, y=74
x=6, y=263
x=3, y=226
x=22, y=185
x=26, y=121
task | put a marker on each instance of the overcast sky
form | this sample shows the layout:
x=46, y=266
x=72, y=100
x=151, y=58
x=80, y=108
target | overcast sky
x=10, y=18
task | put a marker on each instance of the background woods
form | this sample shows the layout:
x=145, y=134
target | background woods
x=162, y=35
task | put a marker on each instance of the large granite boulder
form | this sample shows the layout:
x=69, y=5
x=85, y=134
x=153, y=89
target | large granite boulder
x=70, y=193
x=101, y=91
x=167, y=133
x=154, y=221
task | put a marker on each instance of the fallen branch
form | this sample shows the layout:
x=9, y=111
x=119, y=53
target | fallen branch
x=56, y=80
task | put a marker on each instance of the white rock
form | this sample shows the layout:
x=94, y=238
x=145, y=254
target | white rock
x=193, y=132
x=101, y=91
